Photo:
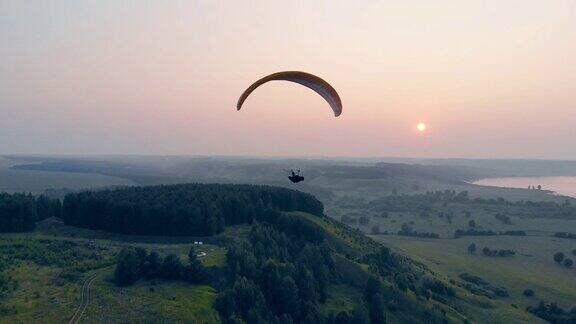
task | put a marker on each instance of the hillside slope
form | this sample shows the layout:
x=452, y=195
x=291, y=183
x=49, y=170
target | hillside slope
x=278, y=265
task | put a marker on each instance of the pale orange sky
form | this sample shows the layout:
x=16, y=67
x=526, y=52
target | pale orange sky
x=489, y=78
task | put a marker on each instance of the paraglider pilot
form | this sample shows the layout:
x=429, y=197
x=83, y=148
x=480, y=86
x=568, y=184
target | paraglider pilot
x=295, y=177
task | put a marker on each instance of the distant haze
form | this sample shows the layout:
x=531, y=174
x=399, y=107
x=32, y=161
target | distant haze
x=489, y=78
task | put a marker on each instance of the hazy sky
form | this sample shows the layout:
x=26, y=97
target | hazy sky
x=489, y=78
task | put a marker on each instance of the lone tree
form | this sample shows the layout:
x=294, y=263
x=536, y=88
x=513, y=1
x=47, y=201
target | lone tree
x=472, y=223
x=373, y=298
x=568, y=263
x=194, y=272
x=558, y=257
x=152, y=265
x=127, y=270
x=375, y=230
x=171, y=267
x=192, y=256
x=574, y=252
x=472, y=248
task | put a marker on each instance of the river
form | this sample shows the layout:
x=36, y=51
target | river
x=561, y=185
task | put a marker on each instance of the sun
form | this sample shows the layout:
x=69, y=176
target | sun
x=421, y=127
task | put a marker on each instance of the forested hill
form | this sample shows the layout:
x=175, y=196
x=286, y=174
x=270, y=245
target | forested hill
x=184, y=209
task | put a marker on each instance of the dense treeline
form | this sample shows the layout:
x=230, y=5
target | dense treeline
x=19, y=212
x=565, y=235
x=277, y=276
x=513, y=233
x=134, y=264
x=473, y=232
x=282, y=272
x=408, y=231
x=481, y=287
x=500, y=253
x=402, y=273
x=553, y=313
x=186, y=209
x=424, y=203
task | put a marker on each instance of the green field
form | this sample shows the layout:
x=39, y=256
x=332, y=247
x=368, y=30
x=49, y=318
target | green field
x=38, y=297
x=150, y=301
x=533, y=268
x=45, y=285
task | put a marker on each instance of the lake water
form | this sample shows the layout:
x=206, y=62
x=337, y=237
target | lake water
x=561, y=185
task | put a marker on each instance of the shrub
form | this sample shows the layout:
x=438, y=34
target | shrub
x=528, y=293
x=558, y=257
x=568, y=263
x=503, y=218
x=437, y=286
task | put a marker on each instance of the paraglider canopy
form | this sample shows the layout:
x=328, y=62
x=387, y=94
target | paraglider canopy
x=311, y=81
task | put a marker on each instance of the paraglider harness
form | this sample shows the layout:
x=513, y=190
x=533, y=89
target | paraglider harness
x=295, y=177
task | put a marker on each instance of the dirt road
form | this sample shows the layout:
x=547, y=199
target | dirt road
x=84, y=299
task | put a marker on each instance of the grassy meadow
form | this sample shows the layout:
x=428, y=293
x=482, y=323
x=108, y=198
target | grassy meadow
x=150, y=302
x=531, y=268
x=45, y=271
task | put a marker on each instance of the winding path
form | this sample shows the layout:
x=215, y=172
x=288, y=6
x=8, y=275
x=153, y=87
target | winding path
x=84, y=299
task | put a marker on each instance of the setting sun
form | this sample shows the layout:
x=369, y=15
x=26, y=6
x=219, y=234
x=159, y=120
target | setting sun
x=421, y=127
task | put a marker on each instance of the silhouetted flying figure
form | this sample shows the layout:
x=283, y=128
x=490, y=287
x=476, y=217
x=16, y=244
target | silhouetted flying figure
x=295, y=177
